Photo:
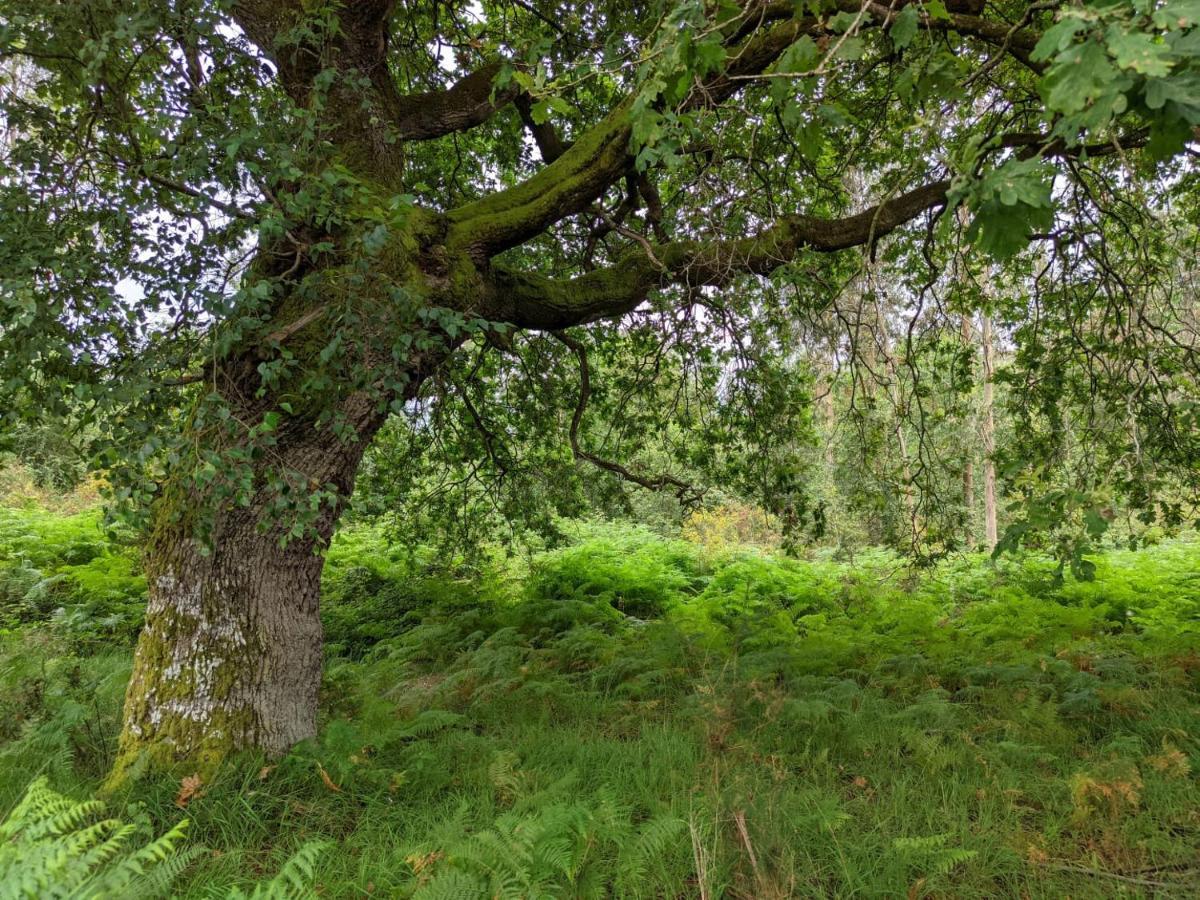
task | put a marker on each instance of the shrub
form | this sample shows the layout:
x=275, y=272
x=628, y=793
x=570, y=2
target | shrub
x=630, y=569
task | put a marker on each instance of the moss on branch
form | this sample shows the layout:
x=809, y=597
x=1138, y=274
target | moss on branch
x=529, y=300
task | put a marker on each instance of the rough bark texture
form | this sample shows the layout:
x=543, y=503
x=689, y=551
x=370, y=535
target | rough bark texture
x=230, y=655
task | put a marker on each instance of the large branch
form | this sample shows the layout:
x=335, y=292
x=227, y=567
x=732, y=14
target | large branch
x=598, y=159
x=1017, y=40
x=527, y=300
x=465, y=104
x=369, y=125
x=580, y=173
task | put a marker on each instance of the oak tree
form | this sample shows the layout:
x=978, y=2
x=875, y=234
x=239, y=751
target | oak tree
x=239, y=235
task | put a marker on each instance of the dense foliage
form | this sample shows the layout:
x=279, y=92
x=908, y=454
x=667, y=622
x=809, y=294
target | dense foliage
x=633, y=715
x=210, y=212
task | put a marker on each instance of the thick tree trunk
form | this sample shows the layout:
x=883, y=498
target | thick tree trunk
x=230, y=655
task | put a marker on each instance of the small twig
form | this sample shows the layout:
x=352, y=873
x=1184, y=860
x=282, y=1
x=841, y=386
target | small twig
x=288, y=330
x=739, y=819
x=1100, y=873
x=631, y=234
x=529, y=8
x=700, y=857
x=228, y=208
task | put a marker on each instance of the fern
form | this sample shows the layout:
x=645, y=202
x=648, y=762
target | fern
x=50, y=846
x=453, y=884
x=522, y=856
x=294, y=880
x=653, y=842
x=430, y=722
x=157, y=882
x=930, y=854
x=504, y=775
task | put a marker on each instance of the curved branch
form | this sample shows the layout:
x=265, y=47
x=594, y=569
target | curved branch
x=578, y=174
x=534, y=301
x=600, y=157
x=1016, y=41
x=468, y=102
x=684, y=491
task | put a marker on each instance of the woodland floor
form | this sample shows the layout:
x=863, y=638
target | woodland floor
x=640, y=717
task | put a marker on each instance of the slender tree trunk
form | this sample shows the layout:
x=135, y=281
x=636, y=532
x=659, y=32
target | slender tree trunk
x=229, y=658
x=908, y=493
x=968, y=477
x=969, y=498
x=907, y=489
x=989, y=437
x=829, y=415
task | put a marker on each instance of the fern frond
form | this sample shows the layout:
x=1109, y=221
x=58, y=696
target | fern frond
x=157, y=882
x=452, y=884
x=50, y=847
x=294, y=879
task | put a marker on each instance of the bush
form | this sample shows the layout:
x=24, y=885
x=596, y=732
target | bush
x=629, y=568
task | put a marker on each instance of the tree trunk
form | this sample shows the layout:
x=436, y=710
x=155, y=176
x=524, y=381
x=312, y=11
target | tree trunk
x=229, y=658
x=230, y=655
x=907, y=488
x=968, y=476
x=989, y=437
x=908, y=493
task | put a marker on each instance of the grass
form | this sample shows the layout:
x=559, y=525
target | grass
x=636, y=717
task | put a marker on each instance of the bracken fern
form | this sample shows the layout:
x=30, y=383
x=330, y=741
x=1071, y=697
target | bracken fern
x=56, y=847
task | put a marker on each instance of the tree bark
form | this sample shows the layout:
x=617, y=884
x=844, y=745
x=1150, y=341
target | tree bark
x=968, y=477
x=230, y=655
x=989, y=437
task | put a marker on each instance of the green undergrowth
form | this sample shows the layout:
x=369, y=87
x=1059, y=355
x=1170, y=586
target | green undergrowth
x=633, y=717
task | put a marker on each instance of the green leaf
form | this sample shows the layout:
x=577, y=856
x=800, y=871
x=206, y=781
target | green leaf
x=800, y=57
x=1178, y=14
x=1009, y=203
x=1182, y=90
x=1168, y=136
x=710, y=56
x=904, y=28
x=937, y=10
x=852, y=48
x=1057, y=38
x=843, y=22
x=1095, y=522
x=561, y=106
x=1078, y=76
x=1139, y=51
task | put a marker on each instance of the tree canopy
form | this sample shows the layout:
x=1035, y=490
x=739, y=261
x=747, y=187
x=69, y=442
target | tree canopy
x=326, y=192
